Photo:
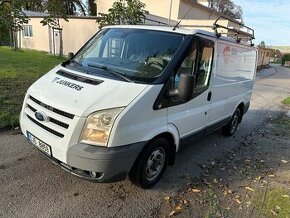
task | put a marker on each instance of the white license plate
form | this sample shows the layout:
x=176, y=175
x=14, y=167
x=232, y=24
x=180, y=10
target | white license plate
x=45, y=148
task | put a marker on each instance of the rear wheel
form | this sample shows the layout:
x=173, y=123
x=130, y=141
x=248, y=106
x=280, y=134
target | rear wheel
x=151, y=164
x=233, y=124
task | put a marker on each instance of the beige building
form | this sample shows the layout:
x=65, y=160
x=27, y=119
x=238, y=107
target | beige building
x=79, y=29
x=264, y=55
x=44, y=38
x=171, y=11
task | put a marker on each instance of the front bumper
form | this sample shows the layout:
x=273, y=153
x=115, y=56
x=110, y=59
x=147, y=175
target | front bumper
x=100, y=164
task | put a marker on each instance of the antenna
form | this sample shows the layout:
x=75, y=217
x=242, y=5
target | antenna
x=174, y=28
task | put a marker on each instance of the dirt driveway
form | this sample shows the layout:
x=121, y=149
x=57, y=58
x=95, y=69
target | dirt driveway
x=31, y=186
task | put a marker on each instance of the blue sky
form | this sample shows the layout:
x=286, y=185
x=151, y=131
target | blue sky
x=269, y=18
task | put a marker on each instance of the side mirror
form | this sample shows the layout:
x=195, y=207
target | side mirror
x=185, y=87
x=70, y=55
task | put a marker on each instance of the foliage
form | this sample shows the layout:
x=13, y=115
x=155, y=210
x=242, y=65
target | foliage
x=286, y=57
x=33, y=5
x=12, y=18
x=276, y=203
x=72, y=7
x=286, y=101
x=124, y=12
x=56, y=10
x=4, y=34
x=227, y=7
x=18, y=70
x=92, y=8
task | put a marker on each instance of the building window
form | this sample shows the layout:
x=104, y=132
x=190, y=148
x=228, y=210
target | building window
x=27, y=31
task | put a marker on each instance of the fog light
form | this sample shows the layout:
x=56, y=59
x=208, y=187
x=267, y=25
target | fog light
x=93, y=174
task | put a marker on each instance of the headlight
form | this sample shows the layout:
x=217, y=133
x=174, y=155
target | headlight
x=98, y=127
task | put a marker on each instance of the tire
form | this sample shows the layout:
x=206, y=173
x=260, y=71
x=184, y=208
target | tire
x=151, y=164
x=232, y=126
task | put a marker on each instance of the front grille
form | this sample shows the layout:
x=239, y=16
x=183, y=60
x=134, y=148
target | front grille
x=46, y=128
x=57, y=122
x=60, y=112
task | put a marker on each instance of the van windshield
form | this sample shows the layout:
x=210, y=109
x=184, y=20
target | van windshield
x=128, y=54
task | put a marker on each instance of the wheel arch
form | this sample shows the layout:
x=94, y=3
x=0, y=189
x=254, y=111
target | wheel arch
x=241, y=106
x=172, y=142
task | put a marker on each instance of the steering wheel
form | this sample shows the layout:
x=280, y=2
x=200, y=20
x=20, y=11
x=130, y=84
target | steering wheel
x=155, y=64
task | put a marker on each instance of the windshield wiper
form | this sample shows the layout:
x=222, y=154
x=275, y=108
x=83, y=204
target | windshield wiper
x=111, y=71
x=76, y=65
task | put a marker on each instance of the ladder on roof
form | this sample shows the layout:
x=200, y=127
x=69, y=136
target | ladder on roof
x=239, y=31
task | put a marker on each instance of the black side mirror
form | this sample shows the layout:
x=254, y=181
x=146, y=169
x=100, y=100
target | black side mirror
x=185, y=87
x=70, y=55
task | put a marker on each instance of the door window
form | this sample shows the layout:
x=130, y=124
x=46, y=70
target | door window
x=198, y=62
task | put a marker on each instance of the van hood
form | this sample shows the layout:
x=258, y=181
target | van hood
x=79, y=96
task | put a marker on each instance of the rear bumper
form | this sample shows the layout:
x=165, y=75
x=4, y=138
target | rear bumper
x=107, y=164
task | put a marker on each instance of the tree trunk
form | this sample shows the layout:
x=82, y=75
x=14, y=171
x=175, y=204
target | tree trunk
x=60, y=43
x=15, y=40
x=11, y=38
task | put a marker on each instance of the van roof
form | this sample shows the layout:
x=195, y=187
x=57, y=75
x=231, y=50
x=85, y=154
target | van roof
x=177, y=30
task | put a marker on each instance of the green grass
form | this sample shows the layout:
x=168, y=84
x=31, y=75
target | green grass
x=275, y=204
x=18, y=70
x=286, y=101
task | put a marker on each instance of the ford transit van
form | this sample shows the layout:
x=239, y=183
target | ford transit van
x=124, y=103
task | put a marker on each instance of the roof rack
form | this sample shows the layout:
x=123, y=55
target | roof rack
x=239, y=31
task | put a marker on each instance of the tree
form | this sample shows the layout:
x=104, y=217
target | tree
x=227, y=7
x=92, y=7
x=73, y=6
x=286, y=57
x=33, y=5
x=124, y=12
x=12, y=19
x=57, y=10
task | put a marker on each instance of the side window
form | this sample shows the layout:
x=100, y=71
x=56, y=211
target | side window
x=204, y=64
x=198, y=62
x=27, y=31
x=187, y=66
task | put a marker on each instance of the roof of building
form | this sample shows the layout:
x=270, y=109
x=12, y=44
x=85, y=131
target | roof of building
x=36, y=14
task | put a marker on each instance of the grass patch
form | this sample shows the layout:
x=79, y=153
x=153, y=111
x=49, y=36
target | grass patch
x=18, y=70
x=282, y=126
x=275, y=204
x=286, y=101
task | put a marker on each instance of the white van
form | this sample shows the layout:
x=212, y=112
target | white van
x=123, y=104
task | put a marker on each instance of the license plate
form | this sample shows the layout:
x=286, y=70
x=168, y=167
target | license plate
x=45, y=148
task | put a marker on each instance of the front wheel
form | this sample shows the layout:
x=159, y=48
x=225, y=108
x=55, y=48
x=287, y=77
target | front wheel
x=233, y=124
x=151, y=164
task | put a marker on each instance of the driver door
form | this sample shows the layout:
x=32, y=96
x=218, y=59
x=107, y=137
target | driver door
x=191, y=116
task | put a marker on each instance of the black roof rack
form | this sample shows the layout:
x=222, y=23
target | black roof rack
x=239, y=31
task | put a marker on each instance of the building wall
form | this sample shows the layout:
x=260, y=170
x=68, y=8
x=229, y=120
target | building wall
x=40, y=39
x=195, y=13
x=264, y=55
x=75, y=33
x=158, y=8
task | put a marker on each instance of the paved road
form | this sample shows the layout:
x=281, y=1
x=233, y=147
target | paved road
x=31, y=186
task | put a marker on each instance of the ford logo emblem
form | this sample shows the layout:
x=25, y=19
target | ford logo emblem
x=41, y=116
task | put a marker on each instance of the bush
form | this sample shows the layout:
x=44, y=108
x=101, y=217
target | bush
x=286, y=57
